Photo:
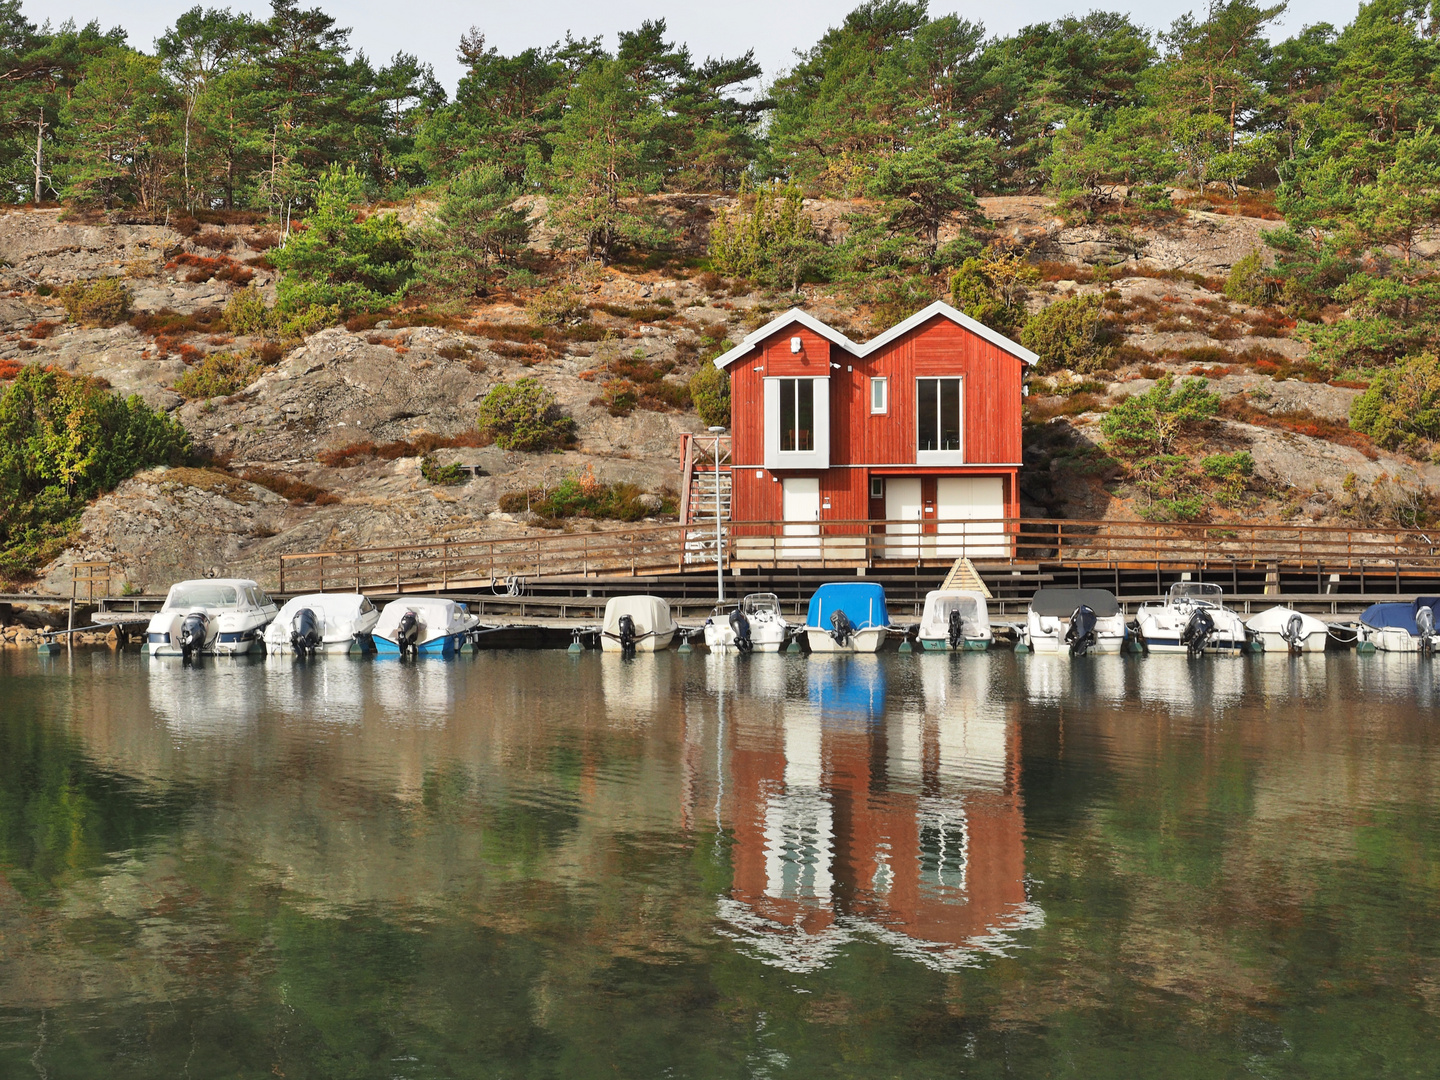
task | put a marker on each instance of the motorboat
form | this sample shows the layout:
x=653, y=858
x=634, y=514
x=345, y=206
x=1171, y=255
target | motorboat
x=422, y=626
x=1397, y=626
x=1193, y=619
x=753, y=625
x=636, y=624
x=1078, y=620
x=1283, y=629
x=955, y=619
x=322, y=623
x=210, y=616
x=847, y=617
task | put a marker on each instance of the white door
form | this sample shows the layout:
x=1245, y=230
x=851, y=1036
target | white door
x=966, y=511
x=800, y=502
x=902, y=510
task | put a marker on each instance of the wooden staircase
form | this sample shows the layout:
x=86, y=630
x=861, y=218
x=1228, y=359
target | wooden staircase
x=706, y=482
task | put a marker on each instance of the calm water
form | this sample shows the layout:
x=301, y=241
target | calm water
x=532, y=865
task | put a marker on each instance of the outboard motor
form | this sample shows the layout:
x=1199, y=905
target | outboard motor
x=1293, y=632
x=1081, y=635
x=407, y=634
x=1197, y=632
x=841, y=628
x=1425, y=624
x=192, y=634
x=305, y=633
x=740, y=626
x=627, y=637
x=957, y=629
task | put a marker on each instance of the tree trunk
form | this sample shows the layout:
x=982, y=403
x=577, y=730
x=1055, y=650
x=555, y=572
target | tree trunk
x=39, y=152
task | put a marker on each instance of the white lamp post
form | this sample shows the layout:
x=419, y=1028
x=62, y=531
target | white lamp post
x=719, y=535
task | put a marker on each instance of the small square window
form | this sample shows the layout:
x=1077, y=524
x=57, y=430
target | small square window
x=877, y=487
x=879, y=395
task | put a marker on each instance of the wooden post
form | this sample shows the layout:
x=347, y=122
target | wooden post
x=357, y=570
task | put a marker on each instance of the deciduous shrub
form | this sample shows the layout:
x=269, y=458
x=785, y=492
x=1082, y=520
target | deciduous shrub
x=582, y=494
x=523, y=415
x=246, y=313
x=218, y=375
x=1249, y=281
x=436, y=473
x=710, y=392
x=1402, y=404
x=1069, y=334
x=991, y=288
x=102, y=302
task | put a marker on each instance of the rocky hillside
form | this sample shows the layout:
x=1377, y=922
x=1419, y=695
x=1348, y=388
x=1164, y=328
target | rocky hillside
x=323, y=449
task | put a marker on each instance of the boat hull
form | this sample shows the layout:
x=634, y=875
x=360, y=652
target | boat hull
x=217, y=645
x=1216, y=645
x=943, y=645
x=441, y=645
x=1395, y=639
x=657, y=642
x=1105, y=644
x=1273, y=642
x=868, y=640
x=764, y=638
x=326, y=648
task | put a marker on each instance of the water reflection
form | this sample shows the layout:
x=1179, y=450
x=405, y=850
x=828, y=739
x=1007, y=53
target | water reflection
x=906, y=828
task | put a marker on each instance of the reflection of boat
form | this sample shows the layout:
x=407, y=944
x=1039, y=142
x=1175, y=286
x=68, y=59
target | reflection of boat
x=1054, y=678
x=1077, y=620
x=754, y=625
x=1283, y=629
x=1193, y=619
x=854, y=685
x=422, y=626
x=1397, y=626
x=223, y=616
x=955, y=619
x=847, y=616
x=1198, y=690
x=321, y=622
x=636, y=624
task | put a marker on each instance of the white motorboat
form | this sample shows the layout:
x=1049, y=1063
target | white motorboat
x=1193, y=619
x=955, y=619
x=422, y=626
x=1074, y=620
x=636, y=624
x=1397, y=626
x=322, y=623
x=1282, y=629
x=847, y=617
x=753, y=625
x=210, y=616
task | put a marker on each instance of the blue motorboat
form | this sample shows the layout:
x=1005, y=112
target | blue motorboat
x=422, y=626
x=1402, y=626
x=847, y=617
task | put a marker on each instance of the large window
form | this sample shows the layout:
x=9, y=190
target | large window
x=938, y=421
x=797, y=415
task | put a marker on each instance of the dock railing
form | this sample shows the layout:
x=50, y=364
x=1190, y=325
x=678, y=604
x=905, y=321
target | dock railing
x=504, y=563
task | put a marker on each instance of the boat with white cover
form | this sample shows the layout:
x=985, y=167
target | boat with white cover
x=422, y=626
x=847, y=617
x=1398, y=626
x=322, y=623
x=1075, y=621
x=1283, y=629
x=753, y=625
x=636, y=624
x=210, y=616
x=955, y=619
x=1193, y=619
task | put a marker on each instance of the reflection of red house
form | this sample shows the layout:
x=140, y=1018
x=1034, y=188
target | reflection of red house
x=919, y=425
x=838, y=830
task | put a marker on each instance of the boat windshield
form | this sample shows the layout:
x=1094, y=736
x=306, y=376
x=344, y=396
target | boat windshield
x=965, y=605
x=193, y=594
x=1205, y=593
x=766, y=602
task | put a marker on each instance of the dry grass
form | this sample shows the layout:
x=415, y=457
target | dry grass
x=423, y=444
x=1301, y=422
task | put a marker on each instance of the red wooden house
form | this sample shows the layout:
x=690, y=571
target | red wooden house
x=919, y=427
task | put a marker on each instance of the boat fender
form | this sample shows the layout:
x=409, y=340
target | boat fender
x=627, y=636
x=305, y=633
x=407, y=634
x=1081, y=635
x=740, y=626
x=192, y=634
x=841, y=627
x=957, y=630
x=1197, y=632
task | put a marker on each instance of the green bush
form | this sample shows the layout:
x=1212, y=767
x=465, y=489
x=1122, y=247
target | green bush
x=1230, y=473
x=102, y=302
x=63, y=440
x=582, y=495
x=523, y=415
x=991, y=288
x=1147, y=425
x=306, y=321
x=710, y=391
x=1069, y=334
x=436, y=473
x=246, y=313
x=1402, y=404
x=1249, y=281
x=558, y=305
x=217, y=375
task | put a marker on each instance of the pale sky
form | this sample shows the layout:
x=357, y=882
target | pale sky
x=773, y=28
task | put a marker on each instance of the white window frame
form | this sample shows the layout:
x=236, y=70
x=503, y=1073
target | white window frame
x=882, y=384
x=819, y=457
x=940, y=457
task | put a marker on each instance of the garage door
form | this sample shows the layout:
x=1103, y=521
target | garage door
x=902, y=511
x=967, y=510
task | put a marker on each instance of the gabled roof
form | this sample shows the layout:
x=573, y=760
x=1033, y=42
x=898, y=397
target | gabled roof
x=939, y=307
